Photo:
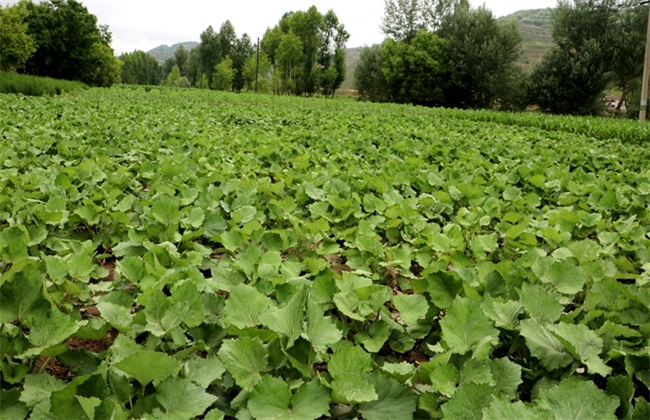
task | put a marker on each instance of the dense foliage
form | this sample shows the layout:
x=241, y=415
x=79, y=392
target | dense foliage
x=598, y=44
x=36, y=86
x=442, y=52
x=140, y=68
x=16, y=46
x=191, y=254
x=70, y=44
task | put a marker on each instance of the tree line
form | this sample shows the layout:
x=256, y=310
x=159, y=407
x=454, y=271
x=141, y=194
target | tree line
x=58, y=39
x=447, y=53
x=303, y=54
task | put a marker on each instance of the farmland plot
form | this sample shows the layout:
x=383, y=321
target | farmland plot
x=188, y=253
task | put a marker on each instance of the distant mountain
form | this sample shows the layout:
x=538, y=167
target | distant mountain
x=535, y=27
x=163, y=52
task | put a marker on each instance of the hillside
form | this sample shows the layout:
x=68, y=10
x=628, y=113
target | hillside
x=535, y=27
x=163, y=52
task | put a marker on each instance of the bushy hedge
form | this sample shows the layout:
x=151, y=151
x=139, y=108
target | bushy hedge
x=36, y=86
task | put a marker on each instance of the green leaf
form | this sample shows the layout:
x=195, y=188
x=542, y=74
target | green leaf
x=394, y=400
x=37, y=390
x=412, y=308
x=574, y=399
x=182, y=399
x=444, y=379
x=244, y=307
x=501, y=409
x=321, y=330
x=441, y=243
x=88, y=404
x=347, y=367
x=539, y=304
x=623, y=387
x=503, y=314
x=476, y=371
x=288, y=320
x=246, y=359
x=88, y=214
x=565, y=277
x=13, y=245
x=12, y=407
x=132, y=268
x=22, y=295
x=468, y=402
x=231, y=240
x=149, y=366
x=117, y=315
x=465, y=326
x=583, y=344
x=375, y=337
x=81, y=266
x=49, y=329
x=244, y=214
x=204, y=372
x=57, y=268
x=165, y=210
x=507, y=377
x=543, y=345
x=272, y=399
x=249, y=259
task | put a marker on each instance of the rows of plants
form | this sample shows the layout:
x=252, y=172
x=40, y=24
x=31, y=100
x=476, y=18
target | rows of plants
x=196, y=254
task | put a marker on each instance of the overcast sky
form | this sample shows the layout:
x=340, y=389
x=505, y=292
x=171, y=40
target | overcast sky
x=145, y=24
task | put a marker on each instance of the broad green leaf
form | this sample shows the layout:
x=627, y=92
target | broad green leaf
x=574, y=399
x=375, y=337
x=468, y=402
x=37, y=390
x=57, y=268
x=231, y=240
x=81, y=266
x=503, y=314
x=180, y=398
x=149, y=366
x=246, y=359
x=244, y=307
x=132, y=268
x=565, y=277
x=249, y=259
x=89, y=405
x=394, y=400
x=118, y=316
x=49, y=329
x=507, y=377
x=412, y=308
x=503, y=409
x=583, y=344
x=88, y=214
x=13, y=245
x=539, y=304
x=272, y=399
x=465, y=326
x=347, y=366
x=204, y=372
x=12, y=407
x=22, y=295
x=623, y=387
x=321, y=330
x=287, y=320
x=544, y=345
x=476, y=371
x=441, y=243
x=444, y=379
x=165, y=210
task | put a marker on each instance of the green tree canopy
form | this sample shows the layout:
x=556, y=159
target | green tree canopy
x=416, y=72
x=140, y=68
x=223, y=75
x=597, y=42
x=482, y=54
x=70, y=44
x=16, y=45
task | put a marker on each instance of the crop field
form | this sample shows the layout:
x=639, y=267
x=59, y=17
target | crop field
x=184, y=254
